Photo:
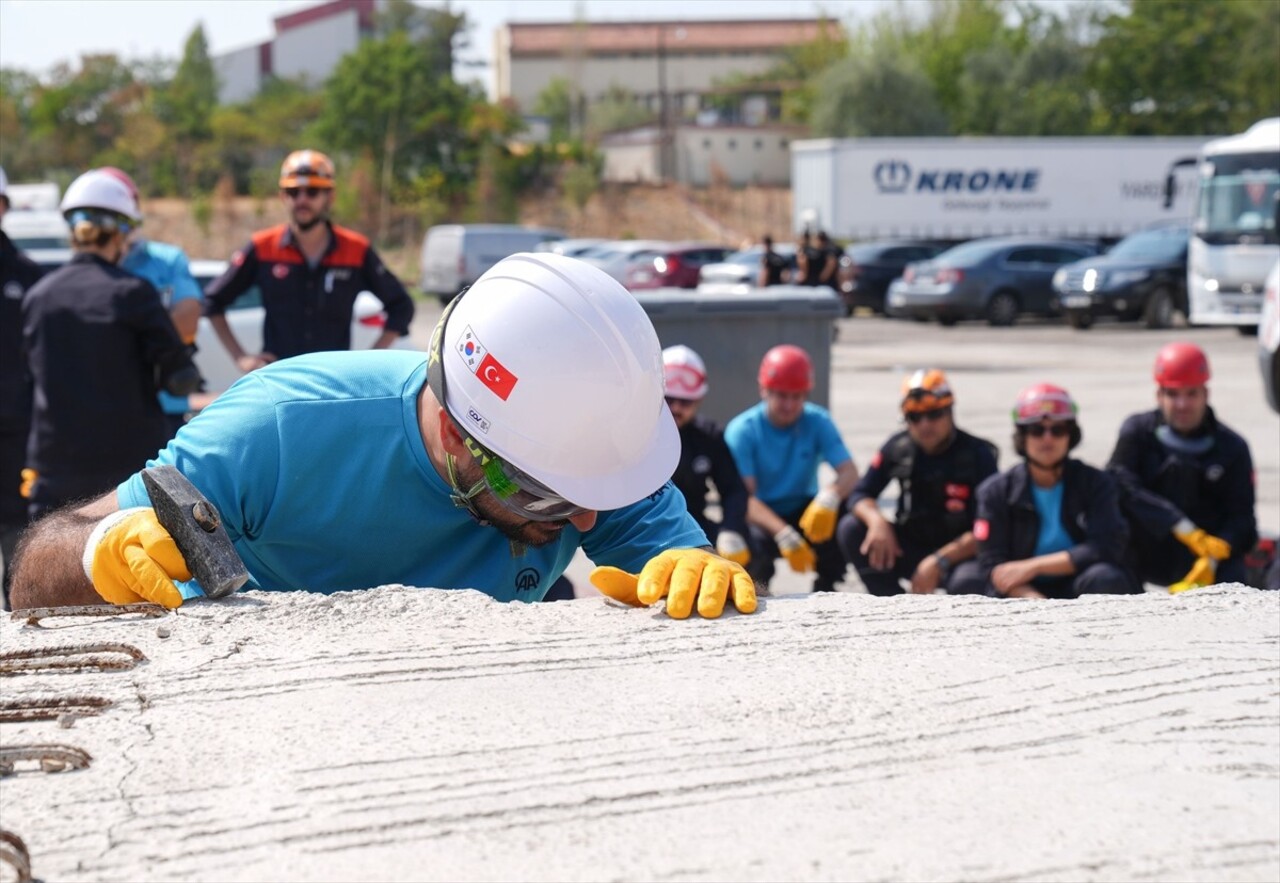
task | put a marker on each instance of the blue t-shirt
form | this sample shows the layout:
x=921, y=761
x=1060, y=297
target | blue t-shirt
x=1053, y=537
x=784, y=461
x=165, y=267
x=319, y=470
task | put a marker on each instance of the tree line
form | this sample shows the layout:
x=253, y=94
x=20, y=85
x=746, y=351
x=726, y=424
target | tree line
x=414, y=142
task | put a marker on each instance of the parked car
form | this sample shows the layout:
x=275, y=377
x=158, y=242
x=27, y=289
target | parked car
x=455, y=255
x=997, y=279
x=675, y=266
x=245, y=318
x=37, y=229
x=568, y=247
x=1144, y=276
x=1269, y=338
x=740, y=272
x=867, y=268
x=614, y=255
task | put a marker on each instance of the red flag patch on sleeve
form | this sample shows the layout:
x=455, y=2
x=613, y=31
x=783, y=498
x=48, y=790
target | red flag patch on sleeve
x=981, y=529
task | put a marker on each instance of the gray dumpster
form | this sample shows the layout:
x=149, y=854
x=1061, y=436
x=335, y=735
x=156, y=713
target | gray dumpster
x=732, y=332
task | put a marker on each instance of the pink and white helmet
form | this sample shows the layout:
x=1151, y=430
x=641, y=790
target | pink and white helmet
x=683, y=373
x=1043, y=401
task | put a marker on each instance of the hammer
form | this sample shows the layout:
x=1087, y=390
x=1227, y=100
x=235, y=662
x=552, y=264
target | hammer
x=197, y=529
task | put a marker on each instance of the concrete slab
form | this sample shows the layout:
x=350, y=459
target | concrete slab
x=400, y=734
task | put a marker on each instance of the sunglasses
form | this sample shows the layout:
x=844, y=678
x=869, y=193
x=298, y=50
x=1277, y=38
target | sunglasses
x=917, y=416
x=311, y=192
x=1038, y=430
x=517, y=491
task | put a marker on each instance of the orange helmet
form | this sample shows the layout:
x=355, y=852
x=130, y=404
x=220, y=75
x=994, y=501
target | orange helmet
x=307, y=168
x=1181, y=366
x=926, y=390
x=786, y=368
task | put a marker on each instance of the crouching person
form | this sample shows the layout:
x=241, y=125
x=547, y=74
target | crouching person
x=1050, y=527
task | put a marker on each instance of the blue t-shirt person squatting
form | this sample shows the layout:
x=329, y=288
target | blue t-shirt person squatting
x=166, y=268
x=784, y=461
x=319, y=470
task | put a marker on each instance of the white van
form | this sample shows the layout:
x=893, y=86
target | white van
x=454, y=255
x=37, y=229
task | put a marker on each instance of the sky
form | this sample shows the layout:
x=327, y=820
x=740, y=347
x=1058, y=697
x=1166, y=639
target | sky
x=37, y=34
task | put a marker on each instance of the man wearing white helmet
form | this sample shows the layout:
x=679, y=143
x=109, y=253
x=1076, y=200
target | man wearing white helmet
x=535, y=426
x=704, y=457
x=17, y=273
x=99, y=345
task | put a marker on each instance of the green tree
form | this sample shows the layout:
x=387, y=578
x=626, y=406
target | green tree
x=79, y=114
x=877, y=92
x=556, y=104
x=617, y=109
x=186, y=103
x=1187, y=67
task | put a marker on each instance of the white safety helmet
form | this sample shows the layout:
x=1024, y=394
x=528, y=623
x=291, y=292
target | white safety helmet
x=101, y=190
x=549, y=363
x=684, y=374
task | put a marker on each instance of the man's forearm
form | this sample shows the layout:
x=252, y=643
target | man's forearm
x=48, y=570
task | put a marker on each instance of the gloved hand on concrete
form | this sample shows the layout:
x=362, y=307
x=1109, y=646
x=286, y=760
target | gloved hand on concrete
x=819, y=519
x=682, y=576
x=1201, y=543
x=798, y=553
x=1201, y=574
x=130, y=558
x=731, y=545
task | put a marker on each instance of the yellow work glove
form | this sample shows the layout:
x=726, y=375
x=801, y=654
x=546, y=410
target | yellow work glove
x=130, y=558
x=798, y=553
x=1201, y=544
x=819, y=519
x=731, y=545
x=28, y=484
x=1202, y=573
x=681, y=576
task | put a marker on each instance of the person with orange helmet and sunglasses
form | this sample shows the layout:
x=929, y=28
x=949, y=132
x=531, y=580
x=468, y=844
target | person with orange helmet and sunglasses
x=1050, y=526
x=309, y=271
x=778, y=446
x=1186, y=480
x=938, y=467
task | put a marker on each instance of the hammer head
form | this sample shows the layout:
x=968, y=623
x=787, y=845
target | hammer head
x=197, y=529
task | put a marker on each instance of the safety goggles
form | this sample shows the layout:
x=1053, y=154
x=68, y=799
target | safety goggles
x=517, y=491
x=917, y=416
x=310, y=192
x=1039, y=430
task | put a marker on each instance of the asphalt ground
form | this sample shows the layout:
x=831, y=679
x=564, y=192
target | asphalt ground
x=1107, y=369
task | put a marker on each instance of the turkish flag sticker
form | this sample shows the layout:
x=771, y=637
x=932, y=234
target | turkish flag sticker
x=493, y=375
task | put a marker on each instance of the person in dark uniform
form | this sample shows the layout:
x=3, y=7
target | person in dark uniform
x=704, y=456
x=99, y=346
x=938, y=468
x=810, y=260
x=1186, y=480
x=828, y=259
x=17, y=273
x=773, y=266
x=1050, y=527
x=309, y=272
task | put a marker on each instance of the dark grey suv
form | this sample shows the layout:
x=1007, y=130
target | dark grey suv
x=997, y=279
x=1144, y=276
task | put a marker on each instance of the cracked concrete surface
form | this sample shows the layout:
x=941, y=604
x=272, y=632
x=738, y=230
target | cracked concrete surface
x=405, y=734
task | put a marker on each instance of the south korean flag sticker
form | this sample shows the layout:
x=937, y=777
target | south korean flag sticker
x=471, y=350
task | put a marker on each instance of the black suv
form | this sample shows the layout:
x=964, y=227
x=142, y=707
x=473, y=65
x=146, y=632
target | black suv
x=1144, y=276
x=867, y=268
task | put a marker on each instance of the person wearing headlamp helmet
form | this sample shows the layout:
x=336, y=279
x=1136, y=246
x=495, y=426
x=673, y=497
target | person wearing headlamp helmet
x=535, y=426
x=99, y=346
x=1050, y=527
x=938, y=468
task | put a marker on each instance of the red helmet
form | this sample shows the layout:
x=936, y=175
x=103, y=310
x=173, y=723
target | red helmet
x=1043, y=401
x=786, y=368
x=1181, y=366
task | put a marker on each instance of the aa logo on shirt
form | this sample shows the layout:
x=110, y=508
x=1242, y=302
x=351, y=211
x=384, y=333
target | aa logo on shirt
x=527, y=580
x=280, y=271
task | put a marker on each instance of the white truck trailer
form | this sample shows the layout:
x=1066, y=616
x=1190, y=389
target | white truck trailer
x=963, y=188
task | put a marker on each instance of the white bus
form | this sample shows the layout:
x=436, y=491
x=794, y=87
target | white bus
x=1233, y=241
